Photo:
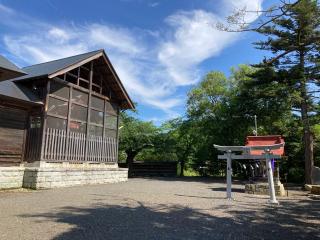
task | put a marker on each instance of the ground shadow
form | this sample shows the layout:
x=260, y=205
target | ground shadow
x=224, y=189
x=289, y=221
x=192, y=179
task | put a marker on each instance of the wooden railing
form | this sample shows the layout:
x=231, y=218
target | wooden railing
x=60, y=146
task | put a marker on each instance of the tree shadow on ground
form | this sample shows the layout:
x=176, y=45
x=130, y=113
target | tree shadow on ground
x=224, y=189
x=191, y=179
x=163, y=221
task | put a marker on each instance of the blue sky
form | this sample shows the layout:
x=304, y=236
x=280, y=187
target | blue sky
x=160, y=49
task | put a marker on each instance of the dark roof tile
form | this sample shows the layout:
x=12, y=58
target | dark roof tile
x=47, y=68
x=8, y=69
x=16, y=90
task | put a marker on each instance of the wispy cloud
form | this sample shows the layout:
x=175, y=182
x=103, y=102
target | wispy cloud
x=154, y=4
x=152, y=71
x=5, y=9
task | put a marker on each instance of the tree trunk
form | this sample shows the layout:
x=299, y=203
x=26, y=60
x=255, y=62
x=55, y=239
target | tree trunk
x=307, y=135
x=182, y=163
x=129, y=161
x=308, y=155
x=308, y=144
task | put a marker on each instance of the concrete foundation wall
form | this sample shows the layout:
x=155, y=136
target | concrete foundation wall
x=53, y=175
x=11, y=177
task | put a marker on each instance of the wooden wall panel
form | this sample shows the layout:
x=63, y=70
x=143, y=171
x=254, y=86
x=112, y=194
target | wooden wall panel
x=12, y=134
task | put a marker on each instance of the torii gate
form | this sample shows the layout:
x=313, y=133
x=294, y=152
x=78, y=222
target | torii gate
x=246, y=151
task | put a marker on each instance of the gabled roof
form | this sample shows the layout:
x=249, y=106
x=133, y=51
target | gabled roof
x=57, y=67
x=47, y=68
x=8, y=69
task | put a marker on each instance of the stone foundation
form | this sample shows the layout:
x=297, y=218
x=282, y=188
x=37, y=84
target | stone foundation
x=316, y=175
x=53, y=175
x=11, y=177
x=263, y=189
x=315, y=189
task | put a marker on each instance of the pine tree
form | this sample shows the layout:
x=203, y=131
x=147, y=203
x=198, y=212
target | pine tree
x=294, y=40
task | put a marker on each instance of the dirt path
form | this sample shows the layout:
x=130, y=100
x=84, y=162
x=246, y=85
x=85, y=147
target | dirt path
x=155, y=209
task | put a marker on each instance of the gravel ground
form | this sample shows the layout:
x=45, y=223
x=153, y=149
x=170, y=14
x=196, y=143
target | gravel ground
x=161, y=208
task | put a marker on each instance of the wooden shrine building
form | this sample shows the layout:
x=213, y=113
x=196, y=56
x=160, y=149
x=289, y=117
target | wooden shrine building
x=61, y=111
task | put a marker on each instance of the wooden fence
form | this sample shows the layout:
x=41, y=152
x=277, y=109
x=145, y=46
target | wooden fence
x=144, y=169
x=60, y=146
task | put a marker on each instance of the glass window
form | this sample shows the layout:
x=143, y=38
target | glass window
x=56, y=123
x=105, y=91
x=96, y=117
x=96, y=79
x=58, y=107
x=74, y=71
x=59, y=89
x=110, y=133
x=78, y=127
x=79, y=97
x=84, y=84
x=35, y=122
x=111, y=121
x=111, y=108
x=79, y=112
x=95, y=131
x=97, y=103
x=84, y=73
x=96, y=89
x=71, y=78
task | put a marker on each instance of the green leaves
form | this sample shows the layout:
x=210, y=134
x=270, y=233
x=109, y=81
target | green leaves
x=135, y=134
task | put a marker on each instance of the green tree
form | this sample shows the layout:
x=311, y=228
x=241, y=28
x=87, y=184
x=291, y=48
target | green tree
x=182, y=133
x=135, y=135
x=294, y=40
x=217, y=114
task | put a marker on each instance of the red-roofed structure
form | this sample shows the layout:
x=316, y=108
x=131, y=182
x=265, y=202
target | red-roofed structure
x=265, y=140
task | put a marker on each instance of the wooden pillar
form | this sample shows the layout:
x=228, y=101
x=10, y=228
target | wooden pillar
x=68, y=124
x=89, y=112
x=104, y=118
x=44, y=121
x=117, y=142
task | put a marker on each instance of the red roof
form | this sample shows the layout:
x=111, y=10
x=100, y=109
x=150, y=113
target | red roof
x=265, y=140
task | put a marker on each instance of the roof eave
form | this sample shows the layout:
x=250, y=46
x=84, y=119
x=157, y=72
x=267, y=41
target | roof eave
x=10, y=74
x=30, y=78
x=18, y=100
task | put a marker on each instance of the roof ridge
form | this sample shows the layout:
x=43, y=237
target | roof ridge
x=100, y=50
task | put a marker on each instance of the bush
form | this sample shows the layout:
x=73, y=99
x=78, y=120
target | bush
x=296, y=175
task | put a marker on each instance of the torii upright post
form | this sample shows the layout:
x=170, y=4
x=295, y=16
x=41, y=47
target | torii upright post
x=229, y=174
x=270, y=178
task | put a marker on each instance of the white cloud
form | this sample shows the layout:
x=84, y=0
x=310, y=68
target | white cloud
x=194, y=41
x=119, y=39
x=154, y=4
x=59, y=34
x=151, y=71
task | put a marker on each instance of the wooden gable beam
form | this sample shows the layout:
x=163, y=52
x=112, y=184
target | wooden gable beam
x=73, y=66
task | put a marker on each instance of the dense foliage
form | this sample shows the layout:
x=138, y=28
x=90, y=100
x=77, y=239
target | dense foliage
x=294, y=41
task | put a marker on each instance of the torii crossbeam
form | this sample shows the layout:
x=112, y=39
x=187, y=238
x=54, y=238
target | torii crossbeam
x=245, y=154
